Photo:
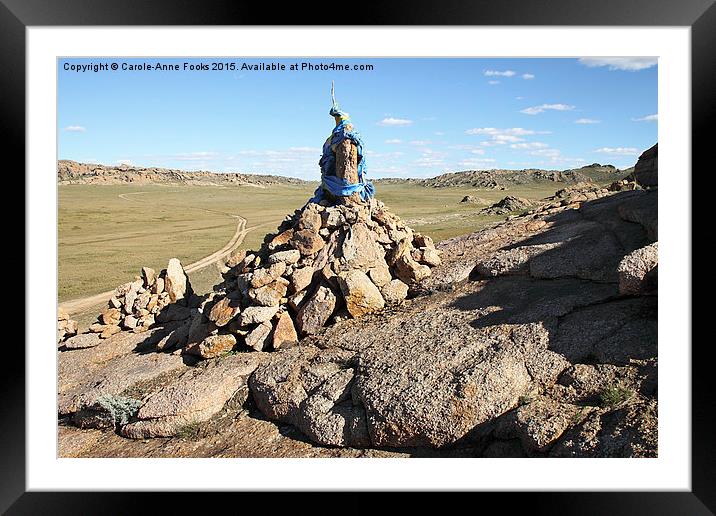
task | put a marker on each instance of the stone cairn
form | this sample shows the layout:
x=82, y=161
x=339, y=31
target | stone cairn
x=139, y=304
x=339, y=258
x=325, y=264
x=66, y=327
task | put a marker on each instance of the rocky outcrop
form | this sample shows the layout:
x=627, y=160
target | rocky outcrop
x=646, y=170
x=72, y=172
x=507, y=205
x=471, y=199
x=529, y=352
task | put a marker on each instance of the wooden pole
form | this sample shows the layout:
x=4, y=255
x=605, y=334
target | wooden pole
x=347, y=167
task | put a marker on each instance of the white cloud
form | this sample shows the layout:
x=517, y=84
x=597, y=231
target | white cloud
x=395, y=122
x=631, y=64
x=492, y=83
x=477, y=151
x=586, y=121
x=429, y=161
x=547, y=153
x=493, y=131
x=75, y=129
x=304, y=149
x=420, y=142
x=501, y=136
x=393, y=141
x=439, y=133
x=647, y=118
x=519, y=98
x=618, y=151
x=506, y=138
x=528, y=76
x=535, y=110
x=496, y=73
x=195, y=156
x=529, y=145
x=474, y=162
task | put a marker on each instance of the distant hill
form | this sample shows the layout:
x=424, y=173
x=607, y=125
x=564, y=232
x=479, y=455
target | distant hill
x=498, y=178
x=72, y=172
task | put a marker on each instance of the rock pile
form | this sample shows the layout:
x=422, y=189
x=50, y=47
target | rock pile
x=325, y=263
x=507, y=205
x=66, y=327
x=137, y=305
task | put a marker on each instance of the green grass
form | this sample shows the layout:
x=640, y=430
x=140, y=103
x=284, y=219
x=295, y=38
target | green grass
x=105, y=239
x=189, y=431
x=615, y=395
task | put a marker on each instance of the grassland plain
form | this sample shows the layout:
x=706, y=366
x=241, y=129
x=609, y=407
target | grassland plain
x=108, y=232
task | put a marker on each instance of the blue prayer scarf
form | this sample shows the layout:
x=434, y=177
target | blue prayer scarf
x=337, y=186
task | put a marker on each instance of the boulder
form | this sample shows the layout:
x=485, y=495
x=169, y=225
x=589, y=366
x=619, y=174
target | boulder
x=361, y=295
x=149, y=276
x=109, y=330
x=84, y=340
x=284, y=334
x=315, y=312
x=175, y=281
x=257, y=314
x=538, y=423
x=646, y=170
x=236, y=258
x=264, y=276
x=638, y=271
x=224, y=311
x=213, y=346
x=394, y=292
x=380, y=274
x=360, y=250
x=194, y=397
x=258, y=338
x=410, y=271
x=288, y=257
x=271, y=294
x=301, y=278
x=307, y=242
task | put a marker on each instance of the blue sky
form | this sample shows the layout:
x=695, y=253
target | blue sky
x=417, y=117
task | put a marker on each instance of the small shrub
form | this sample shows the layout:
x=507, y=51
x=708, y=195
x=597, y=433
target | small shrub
x=121, y=409
x=188, y=431
x=525, y=400
x=577, y=417
x=614, y=396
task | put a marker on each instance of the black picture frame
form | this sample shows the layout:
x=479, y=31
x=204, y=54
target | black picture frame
x=699, y=15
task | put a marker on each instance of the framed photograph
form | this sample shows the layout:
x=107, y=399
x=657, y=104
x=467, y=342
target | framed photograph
x=418, y=251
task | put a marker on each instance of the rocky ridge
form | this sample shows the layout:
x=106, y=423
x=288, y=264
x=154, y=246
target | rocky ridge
x=501, y=179
x=72, y=172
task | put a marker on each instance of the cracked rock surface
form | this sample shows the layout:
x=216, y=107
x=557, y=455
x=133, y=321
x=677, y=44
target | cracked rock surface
x=520, y=343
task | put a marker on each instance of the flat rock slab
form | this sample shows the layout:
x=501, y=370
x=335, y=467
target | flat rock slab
x=77, y=366
x=194, y=397
x=115, y=377
x=245, y=437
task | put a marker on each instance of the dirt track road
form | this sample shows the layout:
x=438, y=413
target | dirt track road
x=76, y=306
